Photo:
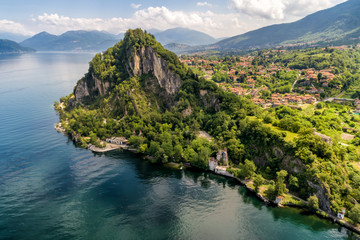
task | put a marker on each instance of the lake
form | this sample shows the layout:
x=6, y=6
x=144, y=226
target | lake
x=51, y=189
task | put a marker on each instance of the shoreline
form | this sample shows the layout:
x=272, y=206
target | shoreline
x=109, y=147
x=267, y=202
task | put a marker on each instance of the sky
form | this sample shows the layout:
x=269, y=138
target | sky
x=218, y=18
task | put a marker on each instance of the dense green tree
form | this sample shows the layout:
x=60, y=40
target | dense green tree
x=355, y=213
x=178, y=152
x=293, y=182
x=280, y=186
x=313, y=203
x=258, y=181
x=248, y=169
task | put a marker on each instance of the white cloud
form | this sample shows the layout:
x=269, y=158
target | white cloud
x=203, y=4
x=13, y=27
x=281, y=9
x=258, y=13
x=262, y=8
x=160, y=17
x=136, y=6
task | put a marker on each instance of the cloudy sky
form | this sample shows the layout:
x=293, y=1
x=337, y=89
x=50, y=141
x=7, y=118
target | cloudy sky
x=219, y=18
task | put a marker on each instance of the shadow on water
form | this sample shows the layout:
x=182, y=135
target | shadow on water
x=144, y=169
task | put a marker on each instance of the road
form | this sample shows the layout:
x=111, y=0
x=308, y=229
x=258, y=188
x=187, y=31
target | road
x=297, y=79
x=331, y=99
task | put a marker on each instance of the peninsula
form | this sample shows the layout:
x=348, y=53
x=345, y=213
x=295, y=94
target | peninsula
x=142, y=92
x=9, y=47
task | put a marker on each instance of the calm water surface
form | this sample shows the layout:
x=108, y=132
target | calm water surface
x=50, y=189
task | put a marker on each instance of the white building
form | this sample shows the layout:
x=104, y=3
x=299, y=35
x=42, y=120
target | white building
x=341, y=214
x=279, y=199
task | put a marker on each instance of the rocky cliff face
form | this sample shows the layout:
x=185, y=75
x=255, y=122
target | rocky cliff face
x=288, y=162
x=146, y=61
x=322, y=194
x=210, y=100
x=90, y=86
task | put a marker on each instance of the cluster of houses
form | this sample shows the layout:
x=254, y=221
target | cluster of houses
x=209, y=66
x=244, y=75
x=243, y=69
x=277, y=100
x=323, y=77
x=237, y=90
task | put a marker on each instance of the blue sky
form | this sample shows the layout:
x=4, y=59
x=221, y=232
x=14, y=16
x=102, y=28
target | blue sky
x=215, y=17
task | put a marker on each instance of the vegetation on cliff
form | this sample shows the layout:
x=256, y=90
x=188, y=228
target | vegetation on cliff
x=122, y=95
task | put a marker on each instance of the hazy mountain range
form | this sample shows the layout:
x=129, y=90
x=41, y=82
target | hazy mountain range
x=72, y=41
x=97, y=41
x=12, y=36
x=339, y=24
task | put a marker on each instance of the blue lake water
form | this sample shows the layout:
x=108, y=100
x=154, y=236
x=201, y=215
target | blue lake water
x=50, y=189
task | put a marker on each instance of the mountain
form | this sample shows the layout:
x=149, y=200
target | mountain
x=177, y=48
x=72, y=41
x=40, y=41
x=183, y=36
x=13, y=36
x=340, y=23
x=7, y=46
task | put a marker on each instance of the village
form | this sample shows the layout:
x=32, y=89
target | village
x=243, y=77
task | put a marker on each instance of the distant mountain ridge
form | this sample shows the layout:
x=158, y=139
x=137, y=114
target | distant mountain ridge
x=337, y=24
x=13, y=36
x=8, y=46
x=184, y=36
x=71, y=40
x=99, y=41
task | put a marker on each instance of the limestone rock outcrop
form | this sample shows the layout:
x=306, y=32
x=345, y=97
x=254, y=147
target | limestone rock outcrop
x=90, y=86
x=146, y=61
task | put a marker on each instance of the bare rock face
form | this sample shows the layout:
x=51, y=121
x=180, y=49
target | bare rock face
x=322, y=194
x=146, y=61
x=288, y=162
x=90, y=86
x=210, y=100
x=293, y=165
